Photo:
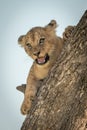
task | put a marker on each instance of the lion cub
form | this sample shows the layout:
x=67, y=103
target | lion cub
x=43, y=46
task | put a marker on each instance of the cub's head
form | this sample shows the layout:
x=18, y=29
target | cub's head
x=40, y=42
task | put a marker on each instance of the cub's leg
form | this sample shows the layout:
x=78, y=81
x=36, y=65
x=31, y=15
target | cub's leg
x=30, y=92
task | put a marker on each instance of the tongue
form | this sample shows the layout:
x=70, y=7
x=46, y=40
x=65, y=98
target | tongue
x=41, y=60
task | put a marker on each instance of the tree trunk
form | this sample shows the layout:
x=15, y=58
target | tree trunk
x=61, y=101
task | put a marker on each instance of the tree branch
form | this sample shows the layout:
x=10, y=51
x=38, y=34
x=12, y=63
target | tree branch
x=61, y=101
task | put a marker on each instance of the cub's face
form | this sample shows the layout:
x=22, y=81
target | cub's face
x=39, y=43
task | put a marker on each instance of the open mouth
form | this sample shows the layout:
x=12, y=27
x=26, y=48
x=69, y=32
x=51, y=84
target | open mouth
x=42, y=60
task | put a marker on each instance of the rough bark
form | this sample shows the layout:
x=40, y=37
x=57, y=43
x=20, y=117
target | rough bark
x=61, y=101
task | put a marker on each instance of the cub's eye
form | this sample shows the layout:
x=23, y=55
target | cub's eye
x=29, y=45
x=41, y=41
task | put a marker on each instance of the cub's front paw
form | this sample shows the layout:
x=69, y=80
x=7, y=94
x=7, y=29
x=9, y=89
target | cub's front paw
x=67, y=32
x=25, y=106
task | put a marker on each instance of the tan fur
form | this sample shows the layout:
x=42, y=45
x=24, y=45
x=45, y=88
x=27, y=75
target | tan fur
x=39, y=42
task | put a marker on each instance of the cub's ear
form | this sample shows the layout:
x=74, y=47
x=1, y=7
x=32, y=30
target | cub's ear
x=21, y=40
x=52, y=25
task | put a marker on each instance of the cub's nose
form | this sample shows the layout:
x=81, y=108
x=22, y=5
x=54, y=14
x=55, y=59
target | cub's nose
x=36, y=53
